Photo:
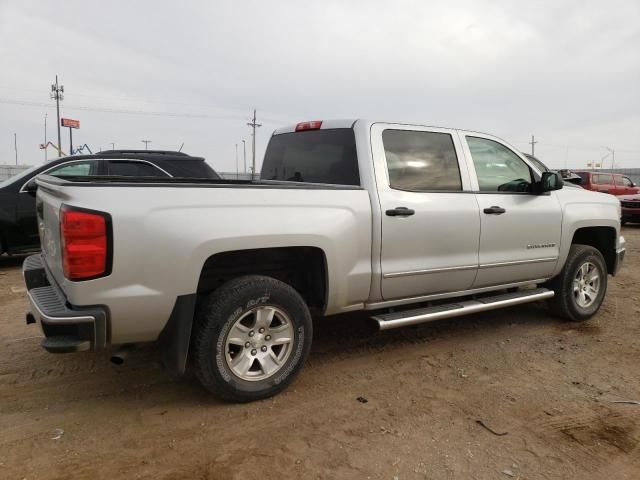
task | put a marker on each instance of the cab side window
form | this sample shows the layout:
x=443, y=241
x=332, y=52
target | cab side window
x=498, y=168
x=603, y=179
x=421, y=161
x=131, y=168
x=74, y=169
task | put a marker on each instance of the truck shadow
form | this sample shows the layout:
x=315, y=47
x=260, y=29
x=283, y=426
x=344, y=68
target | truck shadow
x=95, y=380
x=10, y=261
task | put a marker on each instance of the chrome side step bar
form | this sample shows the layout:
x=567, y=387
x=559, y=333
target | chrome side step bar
x=420, y=315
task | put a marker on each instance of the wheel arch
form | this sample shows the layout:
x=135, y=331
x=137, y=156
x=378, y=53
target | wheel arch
x=304, y=268
x=601, y=238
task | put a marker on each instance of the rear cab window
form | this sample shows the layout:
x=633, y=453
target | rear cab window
x=314, y=156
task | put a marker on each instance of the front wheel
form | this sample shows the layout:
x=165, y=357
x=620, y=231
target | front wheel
x=252, y=337
x=581, y=285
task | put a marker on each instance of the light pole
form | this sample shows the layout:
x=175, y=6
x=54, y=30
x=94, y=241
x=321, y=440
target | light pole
x=613, y=156
x=146, y=144
x=244, y=153
x=237, y=173
x=45, y=138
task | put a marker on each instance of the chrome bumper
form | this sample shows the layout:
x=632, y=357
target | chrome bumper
x=66, y=327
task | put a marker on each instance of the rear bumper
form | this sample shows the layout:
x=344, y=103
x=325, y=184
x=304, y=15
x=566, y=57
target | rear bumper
x=67, y=328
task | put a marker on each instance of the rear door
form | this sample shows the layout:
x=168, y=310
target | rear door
x=430, y=219
x=520, y=231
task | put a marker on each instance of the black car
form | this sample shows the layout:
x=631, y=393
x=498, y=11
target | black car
x=18, y=225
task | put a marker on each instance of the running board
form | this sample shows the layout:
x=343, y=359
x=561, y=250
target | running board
x=420, y=315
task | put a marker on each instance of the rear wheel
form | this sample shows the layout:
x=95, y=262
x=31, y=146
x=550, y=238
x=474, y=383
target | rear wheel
x=252, y=337
x=581, y=285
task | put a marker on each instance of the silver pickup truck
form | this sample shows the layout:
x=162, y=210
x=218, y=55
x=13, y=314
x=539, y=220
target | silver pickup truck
x=410, y=222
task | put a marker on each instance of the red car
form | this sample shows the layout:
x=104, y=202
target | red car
x=613, y=183
x=630, y=208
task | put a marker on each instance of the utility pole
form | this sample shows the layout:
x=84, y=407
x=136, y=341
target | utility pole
x=533, y=143
x=613, y=157
x=57, y=93
x=113, y=146
x=253, y=125
x=244, y=153
x=146, y=144
x=237, y=172
x=45, y=138
x=15, y=146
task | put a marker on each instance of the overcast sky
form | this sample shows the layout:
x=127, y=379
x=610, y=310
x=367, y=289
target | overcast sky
x=192, y=71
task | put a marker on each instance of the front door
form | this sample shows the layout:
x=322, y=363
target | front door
x=429, y=215
x=520, y=231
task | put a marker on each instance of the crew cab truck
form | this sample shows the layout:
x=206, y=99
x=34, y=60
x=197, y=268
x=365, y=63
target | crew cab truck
x=410, y=222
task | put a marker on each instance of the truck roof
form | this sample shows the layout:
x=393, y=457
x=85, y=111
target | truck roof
x=327, y=124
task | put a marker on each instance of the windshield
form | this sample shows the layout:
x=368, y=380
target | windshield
x=19, y=176
x=536, y=163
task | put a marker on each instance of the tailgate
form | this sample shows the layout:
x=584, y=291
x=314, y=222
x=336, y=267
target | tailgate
x=49, y=199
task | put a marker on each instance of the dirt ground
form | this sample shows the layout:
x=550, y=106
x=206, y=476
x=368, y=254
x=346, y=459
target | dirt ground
x=404, y=404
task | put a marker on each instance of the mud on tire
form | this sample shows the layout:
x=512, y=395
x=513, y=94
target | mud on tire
x=252, y=336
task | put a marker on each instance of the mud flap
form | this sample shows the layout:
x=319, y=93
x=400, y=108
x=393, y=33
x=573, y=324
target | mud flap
x=176, y=335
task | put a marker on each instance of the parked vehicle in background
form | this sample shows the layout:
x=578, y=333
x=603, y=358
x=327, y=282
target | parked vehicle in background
x=347, y=215
x=630, y=208
x=613, y=183
x=18, y=222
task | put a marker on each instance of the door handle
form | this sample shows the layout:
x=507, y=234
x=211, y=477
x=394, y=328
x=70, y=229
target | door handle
x=400, y=212
x=494, y=210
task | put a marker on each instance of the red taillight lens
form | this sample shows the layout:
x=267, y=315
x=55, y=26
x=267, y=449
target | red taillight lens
x=313, y=125
x=84, y=244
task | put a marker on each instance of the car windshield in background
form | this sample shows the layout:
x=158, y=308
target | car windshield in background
x=315, y=156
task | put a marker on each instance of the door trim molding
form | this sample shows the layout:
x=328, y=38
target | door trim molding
x=428, y=271
x=518, y=262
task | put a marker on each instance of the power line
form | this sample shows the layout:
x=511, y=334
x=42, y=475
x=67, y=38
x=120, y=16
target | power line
x=253, y=125
x=29, y=103
x=57, y=93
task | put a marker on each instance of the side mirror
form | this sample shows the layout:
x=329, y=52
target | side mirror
x=550, y=181
x=31, y=186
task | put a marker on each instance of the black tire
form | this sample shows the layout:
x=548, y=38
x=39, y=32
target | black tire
x=237, y=301
x=564, y=303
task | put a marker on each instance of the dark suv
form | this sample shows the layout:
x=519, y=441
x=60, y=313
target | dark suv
x=18, y=225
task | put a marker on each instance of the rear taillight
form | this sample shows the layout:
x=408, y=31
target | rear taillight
x=312, y=125
x=85, y=243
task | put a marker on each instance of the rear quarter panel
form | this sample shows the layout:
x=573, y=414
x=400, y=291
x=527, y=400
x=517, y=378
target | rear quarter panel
x=163, y=235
